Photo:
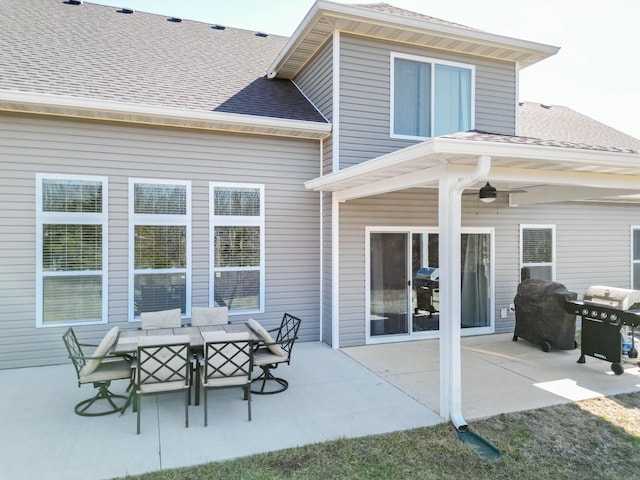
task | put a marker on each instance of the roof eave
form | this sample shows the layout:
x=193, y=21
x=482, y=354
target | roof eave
x=85, y=108
x=339, y=15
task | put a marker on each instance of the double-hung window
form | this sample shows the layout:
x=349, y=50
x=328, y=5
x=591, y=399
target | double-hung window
x=237, y=246
x=635, y=257
x=430, y=97
x=71, y=263
x=537, y=252
x=159, y=246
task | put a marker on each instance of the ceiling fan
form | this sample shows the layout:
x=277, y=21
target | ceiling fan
x=489, y=193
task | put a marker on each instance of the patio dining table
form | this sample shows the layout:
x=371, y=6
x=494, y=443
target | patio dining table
x=128, y=339
x=127, y=342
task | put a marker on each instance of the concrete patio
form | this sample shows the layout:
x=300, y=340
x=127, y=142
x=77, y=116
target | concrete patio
x=357, y=391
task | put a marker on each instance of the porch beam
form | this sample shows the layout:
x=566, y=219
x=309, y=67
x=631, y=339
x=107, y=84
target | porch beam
x=427, y=176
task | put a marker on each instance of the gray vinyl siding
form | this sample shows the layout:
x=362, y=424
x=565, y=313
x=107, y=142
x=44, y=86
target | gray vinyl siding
x=30, y=145
x=365, y=96
x=316, y=80
x=583, y=257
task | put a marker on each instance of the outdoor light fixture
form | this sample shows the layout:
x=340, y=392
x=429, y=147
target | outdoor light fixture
x=488, y=193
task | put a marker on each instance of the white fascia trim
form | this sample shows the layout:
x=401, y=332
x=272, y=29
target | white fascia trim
x=343, y=11
x=450, y=146
x=453, y=31
x=79, y=107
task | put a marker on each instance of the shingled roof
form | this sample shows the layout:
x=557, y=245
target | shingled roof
x=562, y=124
x=101, y=52
x=390, y=9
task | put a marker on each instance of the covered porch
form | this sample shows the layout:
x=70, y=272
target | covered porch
x=531, y=172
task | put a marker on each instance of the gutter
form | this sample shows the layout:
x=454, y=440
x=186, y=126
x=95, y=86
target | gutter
x=86, y=108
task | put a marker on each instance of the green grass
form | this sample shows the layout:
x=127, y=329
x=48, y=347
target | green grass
x=597, y=438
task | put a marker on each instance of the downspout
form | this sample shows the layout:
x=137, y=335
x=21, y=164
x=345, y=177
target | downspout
x=450, y=221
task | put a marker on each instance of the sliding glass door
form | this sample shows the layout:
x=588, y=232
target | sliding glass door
x=389, y=298
x=403, y=283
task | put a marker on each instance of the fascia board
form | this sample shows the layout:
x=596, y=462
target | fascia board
x=447, y=146
x=347, y=12
x=78, y=107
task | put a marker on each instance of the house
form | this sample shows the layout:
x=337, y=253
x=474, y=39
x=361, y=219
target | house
x=151, y=162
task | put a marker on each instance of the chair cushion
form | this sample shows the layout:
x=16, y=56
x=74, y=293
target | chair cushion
x=101, y=350
x=209, y=316
x=266, y=338
x=107, y=371
x=161, y=319
x=264, y=356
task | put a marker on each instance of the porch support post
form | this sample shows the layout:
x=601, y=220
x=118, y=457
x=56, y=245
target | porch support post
x=450, y=230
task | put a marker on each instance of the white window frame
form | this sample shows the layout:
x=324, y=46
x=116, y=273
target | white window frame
x=155, y=219
x=553, y=246
x=70, y=218
x=236, y=221
x=634, y=262
x=372, y=340
x=433, y=62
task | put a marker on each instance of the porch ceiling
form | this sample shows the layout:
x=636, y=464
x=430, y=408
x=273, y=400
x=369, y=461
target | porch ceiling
x=589, y=172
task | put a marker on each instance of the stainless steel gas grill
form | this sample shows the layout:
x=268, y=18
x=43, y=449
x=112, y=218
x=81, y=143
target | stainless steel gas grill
x=604, y=311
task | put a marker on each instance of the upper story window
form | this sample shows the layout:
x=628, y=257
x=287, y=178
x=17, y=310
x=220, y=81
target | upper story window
x=159, y=246
x=430, y=97
x=71, y=258
x=537, y=252
x=237, y=247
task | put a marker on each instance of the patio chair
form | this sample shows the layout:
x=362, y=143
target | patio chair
x=272, y=353
x=163, y=365
x=161, y=319
x=209, y=316
x=100, y=369
x=227, y=362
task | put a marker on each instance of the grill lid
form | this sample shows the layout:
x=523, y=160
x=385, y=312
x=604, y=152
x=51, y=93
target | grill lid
x=614, y=297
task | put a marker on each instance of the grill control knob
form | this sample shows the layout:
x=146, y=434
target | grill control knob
x=585, y=312
x=614, y=317
x=603, y=315
x=594, y=314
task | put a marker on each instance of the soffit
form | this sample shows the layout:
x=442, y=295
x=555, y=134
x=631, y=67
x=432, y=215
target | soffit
x=326, y=17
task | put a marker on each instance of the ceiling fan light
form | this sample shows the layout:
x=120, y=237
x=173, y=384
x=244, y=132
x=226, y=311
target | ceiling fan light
x=488, y=193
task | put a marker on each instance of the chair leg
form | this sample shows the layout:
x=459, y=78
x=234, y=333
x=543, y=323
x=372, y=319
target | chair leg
x=267, y=377
x=103, y=394
x=247, y=395
x=186, y=407
x=137, y=404
x=205, y=406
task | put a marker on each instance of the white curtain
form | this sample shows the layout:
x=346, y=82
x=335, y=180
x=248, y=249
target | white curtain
x=452, y=100
x=476, y=269
x=412, y=98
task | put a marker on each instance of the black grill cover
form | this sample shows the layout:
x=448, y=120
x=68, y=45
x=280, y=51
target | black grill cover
x=541, y=315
